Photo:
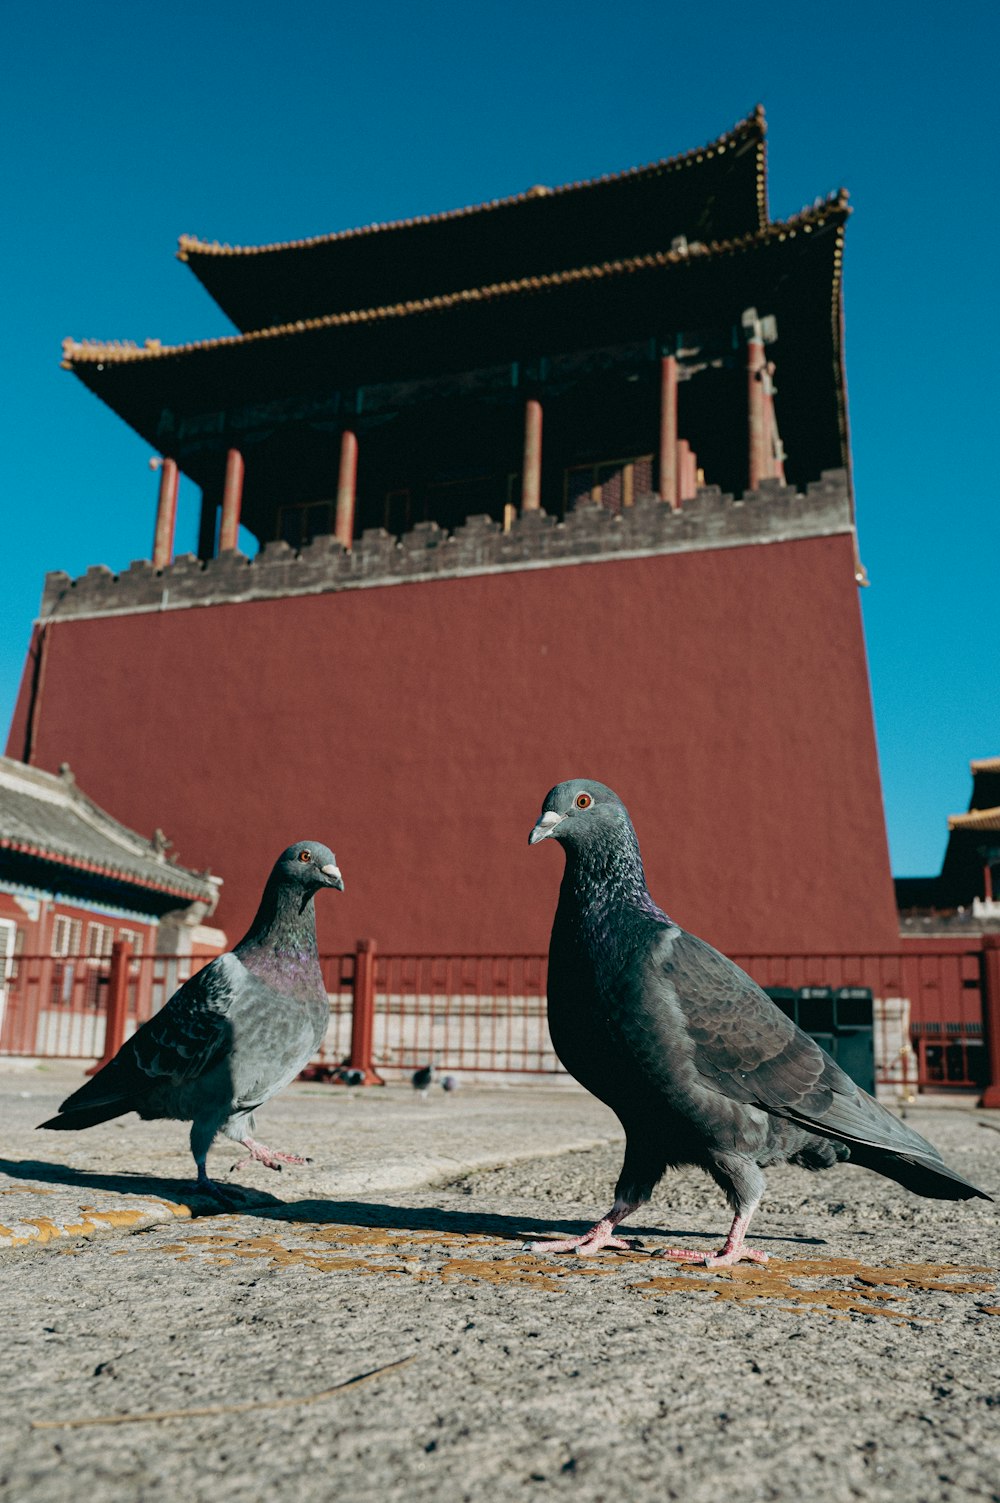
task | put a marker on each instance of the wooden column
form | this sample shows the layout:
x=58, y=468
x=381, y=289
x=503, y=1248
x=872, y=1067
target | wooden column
x=347, y=487
x=687, y=471
x=531, y=472
x=669, y=487
x=774, y=454
x=757, y=413
x=116, y=1004
x=166, y=513
x=232, y=501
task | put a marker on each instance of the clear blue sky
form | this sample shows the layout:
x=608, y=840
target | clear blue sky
x=124, y=127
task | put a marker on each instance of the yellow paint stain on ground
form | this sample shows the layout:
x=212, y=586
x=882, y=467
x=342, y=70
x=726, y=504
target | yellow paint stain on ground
x=837, y=1288
x=47, y=1229
x=863, y=1291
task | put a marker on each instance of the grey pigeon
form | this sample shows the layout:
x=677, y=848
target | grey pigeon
x=450, y=1083
x=235, y=1034
x=696, y=1061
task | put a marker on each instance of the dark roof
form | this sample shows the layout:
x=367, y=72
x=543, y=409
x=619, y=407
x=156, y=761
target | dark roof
x=50, y=819
x=713, y=193
x=791, y=269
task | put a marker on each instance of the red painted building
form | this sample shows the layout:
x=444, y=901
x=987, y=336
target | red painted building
x=557, y=485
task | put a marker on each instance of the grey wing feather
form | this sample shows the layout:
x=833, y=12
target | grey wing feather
x=190, y=1034
x=180, y=1043
x=747, y=1049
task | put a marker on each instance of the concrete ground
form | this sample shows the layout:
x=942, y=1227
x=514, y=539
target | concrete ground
x=862, y=1362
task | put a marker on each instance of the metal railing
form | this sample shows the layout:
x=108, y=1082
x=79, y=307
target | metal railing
x=934, y=1004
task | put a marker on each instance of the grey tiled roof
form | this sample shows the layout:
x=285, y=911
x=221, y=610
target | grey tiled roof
x=49, y=817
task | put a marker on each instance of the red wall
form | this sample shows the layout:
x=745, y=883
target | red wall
x=417, y=727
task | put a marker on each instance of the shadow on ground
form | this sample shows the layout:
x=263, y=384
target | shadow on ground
x=346, y=1213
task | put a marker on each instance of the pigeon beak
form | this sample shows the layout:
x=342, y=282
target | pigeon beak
x=545, y=826
x=333, y=877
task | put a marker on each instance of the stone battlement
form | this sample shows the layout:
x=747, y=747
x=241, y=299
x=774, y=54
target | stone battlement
x=590, y=534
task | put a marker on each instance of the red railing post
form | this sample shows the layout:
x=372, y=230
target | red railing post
x=116, y=1005
x=363, y=1013
x=991, y=1015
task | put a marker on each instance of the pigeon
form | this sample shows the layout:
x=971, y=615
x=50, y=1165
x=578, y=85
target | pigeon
x=695, y=1060
x=422, y=1079
x=450, y=1083
x=350, y=1077
x=234, y=1035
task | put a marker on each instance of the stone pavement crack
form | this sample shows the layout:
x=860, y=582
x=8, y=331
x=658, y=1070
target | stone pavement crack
x=155, y=1415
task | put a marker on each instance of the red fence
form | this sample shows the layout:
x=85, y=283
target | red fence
x=934, y=1002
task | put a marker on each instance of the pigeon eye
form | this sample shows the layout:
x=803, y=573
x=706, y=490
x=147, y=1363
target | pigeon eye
x=305, y=855
x=583, y=801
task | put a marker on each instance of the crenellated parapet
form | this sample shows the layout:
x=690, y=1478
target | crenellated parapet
x=590, y=534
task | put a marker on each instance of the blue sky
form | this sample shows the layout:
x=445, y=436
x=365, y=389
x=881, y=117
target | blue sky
x=124, y=128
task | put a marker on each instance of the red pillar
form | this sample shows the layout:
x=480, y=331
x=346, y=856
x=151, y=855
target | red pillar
x=363, y=1013
x=347, y=487
x=774, y=455
x=531, y=473
x=116, y=1006
x=232, y=501
x=687, y=471
x=756, y=399
x=669, y=486
x=991, y=1015
x=166, y=513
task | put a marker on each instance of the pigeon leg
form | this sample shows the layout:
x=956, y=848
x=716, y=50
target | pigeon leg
x=600, y=1236
x=744, y=1184
x=271, y=1158
x=736, y=1249
x=225, y=1197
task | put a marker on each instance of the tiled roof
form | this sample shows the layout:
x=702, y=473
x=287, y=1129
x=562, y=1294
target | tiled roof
x=975, y=819
x=832, y=210
x=753, y=126
x=48, y=817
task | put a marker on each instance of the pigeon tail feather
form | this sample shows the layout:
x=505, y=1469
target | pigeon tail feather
x=75, y=1118
x=932, y=1179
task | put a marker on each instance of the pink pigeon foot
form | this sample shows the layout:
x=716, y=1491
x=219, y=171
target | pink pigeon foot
x=734, y=1251
x=594, y=1241
x=271, y=1158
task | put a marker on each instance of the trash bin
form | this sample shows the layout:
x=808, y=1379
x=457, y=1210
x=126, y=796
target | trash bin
x=854, y=1019
x=815, y=1015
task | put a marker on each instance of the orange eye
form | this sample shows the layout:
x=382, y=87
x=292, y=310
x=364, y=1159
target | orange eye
x=305, y=855
x=583, y=801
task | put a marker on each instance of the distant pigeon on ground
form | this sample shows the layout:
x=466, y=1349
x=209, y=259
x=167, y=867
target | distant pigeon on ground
x=350, y=1077
x=450, y=1083
x=423, y=1079
x=235, y=1034
x=696, y=1061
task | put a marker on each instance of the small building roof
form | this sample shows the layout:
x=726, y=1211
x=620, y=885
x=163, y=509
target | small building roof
x=49, y=818
x=714, y=192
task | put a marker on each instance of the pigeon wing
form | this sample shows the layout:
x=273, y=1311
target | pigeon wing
x=192, y=1033
x=180, y=1043
x=745, y=1047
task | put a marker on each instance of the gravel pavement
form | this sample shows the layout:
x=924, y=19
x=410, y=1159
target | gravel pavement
x=862, y=1362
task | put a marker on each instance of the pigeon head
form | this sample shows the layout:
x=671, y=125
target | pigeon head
x=308, y=865
x=580, y=814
